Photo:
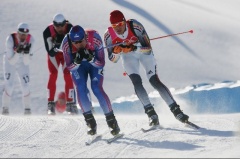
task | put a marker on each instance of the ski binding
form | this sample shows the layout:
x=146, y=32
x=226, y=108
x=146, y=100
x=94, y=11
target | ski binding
x=150, y=128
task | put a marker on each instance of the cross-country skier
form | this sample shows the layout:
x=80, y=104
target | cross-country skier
x=53, y=36
x=16, y=63
x=137, y=49
x=84, y=56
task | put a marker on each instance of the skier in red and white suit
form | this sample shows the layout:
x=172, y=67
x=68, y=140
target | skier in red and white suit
x=53, y=36
x=16, y=60
x=135, y=49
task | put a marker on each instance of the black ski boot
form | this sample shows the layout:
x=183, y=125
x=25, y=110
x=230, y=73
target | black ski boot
x=177, y=112
x=51, y=108
x=112, y=123
x=27, y=111
x=91, y=123
x=153, y=117
x=5, y=111
x=71, y=108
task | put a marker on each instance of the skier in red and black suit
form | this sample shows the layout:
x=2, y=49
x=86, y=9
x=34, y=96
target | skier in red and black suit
x=53, y=36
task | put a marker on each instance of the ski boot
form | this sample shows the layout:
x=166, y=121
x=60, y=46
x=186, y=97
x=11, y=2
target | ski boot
x=112, y=123
x=5, y=111
x=91, y=123
x=27, y=111
x=177, y=112
x=71, y=108
x=51, y=108
x=152, y=115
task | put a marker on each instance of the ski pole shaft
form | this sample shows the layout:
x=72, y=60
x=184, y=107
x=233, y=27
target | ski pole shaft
x=190, y=31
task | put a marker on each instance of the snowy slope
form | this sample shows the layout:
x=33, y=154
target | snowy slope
x=201, y=70
x=64, y=137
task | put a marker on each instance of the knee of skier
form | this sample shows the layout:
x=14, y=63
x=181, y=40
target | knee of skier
x=136, y=79
x=96, y=87
x=154, y=80
x=26, y=91
x=8, y=89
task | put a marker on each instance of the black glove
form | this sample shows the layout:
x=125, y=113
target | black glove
x=26, y=49
x=87, y=54
x=58, y=40
x=19, y=48
x=78, y=58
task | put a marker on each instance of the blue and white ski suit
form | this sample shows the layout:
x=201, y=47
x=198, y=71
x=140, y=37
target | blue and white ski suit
x=93, y=68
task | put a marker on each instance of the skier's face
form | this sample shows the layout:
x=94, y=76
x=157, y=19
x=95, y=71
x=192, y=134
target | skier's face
x=120, y=27
x=80, y=44
x=22, y=37
x=60, y=29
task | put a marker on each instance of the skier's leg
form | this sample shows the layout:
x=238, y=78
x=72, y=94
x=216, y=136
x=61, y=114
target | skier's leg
x=23, y=72
x=112, y=123
x=97, y=78
x=9, y=76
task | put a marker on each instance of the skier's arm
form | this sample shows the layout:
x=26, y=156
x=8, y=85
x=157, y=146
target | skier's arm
x=11, y=55
x=108, y=42
x=99, y=56
x=48, y=41
x=68, y=55
x=27, y=56
x=142, y=36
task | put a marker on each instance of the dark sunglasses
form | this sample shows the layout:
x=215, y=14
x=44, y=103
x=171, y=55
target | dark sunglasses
x=77, y=42
x=56, y=24
x=23, y=31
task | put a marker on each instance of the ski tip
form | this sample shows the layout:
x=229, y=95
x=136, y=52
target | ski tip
x=192, y=125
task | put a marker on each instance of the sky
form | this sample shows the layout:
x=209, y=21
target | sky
x=200, y=70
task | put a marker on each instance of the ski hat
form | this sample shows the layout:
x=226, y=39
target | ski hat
x=76, y=33
x=61, y=95
x=59, y=19
x=23, y=28
x=116, y=16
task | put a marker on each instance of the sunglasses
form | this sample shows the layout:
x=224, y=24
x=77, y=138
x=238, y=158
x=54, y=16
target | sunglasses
x=118, y=24
x=23, y=31
x=56, y=24
x=77, y=42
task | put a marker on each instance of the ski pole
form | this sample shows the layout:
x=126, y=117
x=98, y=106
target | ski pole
x=190, y=31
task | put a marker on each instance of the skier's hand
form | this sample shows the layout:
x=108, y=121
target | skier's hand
x=19, y=48
x=78, y=58
x=117, y=49
x=128, y=48
x=87, y=54
x=26, y=48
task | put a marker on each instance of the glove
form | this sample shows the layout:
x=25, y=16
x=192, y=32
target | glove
x=87, y=54
x=128, y=48
x=19, y=48
x=117, y=49
x=57, y=41
x=124, y=48
x=78, y=58
x=26, y=49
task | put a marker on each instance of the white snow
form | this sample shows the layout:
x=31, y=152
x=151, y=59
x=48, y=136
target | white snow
x=201, y=70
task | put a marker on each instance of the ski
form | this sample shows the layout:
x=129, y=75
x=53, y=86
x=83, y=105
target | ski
x=93, y=138
x=191, y=125
x=114, y=138
x=150, y=128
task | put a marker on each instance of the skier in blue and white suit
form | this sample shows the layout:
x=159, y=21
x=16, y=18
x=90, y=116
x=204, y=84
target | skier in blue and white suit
x=84, y=55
